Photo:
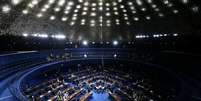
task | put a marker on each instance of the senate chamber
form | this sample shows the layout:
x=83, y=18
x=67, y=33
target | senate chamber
x=100, y=50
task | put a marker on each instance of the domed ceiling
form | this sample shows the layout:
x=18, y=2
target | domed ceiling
x=98, y=19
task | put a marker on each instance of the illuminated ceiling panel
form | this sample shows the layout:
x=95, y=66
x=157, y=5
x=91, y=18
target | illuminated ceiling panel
x=96, y=12
x=98, y=19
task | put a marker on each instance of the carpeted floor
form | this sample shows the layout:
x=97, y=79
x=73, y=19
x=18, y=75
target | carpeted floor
x=100, y=97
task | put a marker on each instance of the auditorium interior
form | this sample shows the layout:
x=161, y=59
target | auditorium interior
x=100, y=50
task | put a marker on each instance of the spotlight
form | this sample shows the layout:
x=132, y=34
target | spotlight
x=15, y=2
x=59, y=36
x=115, y=55
x=85, y=43
x=85, y=55
x=115, y=43
x=93, y=42
x=43, y=35
x=6, y=9
x=25, y=34
x=175, y=34
x=25, y=11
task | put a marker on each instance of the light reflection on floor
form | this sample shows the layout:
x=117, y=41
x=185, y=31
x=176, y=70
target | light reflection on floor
x=100, y=97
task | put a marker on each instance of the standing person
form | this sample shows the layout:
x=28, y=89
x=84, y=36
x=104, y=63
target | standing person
x=59, y=96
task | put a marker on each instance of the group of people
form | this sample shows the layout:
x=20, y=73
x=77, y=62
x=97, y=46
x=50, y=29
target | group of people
x=91, y=78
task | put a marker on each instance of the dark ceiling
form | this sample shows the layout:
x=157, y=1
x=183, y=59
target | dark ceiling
x=99, y=19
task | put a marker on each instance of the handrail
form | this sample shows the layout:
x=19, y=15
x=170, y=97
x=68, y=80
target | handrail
x=17, y=53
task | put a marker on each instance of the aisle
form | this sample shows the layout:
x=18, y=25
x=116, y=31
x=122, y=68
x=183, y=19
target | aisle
x=5, y=94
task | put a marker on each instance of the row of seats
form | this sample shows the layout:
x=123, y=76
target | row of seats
x=82, y=80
